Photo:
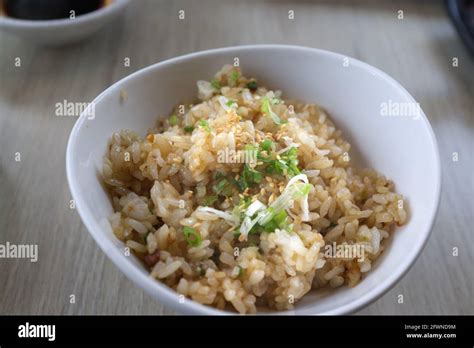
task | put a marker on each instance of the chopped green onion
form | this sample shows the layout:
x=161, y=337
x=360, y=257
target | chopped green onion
x=291, y=153
x=250, y=147
x=210, y=200
x=254, y=208
x=231, y=103
x=245, y=202
x=302, y=190
x=290, y=157
x=278, y=221
x=191, y=236
x=276, y=167
x=222, y=187
x=215, y=84
x=251, y=175
x=228, y=216
x=286, y=165
x=267, y=145
x=189, y=129
x=241, y=272
x=173, y=120
x=251, y=154
x=258, y=218
x=241, y=184
x=234, y=76
x=294, y=190
x=205, y=125
x=267, y=110
x=252, y=85
x=248, y=178
x=219, y=175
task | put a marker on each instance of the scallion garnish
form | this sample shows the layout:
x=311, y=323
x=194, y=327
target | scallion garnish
x=248, y=178
x=245, y=202
x=286, y=165
x=189, y=129
x=252, y=85
x=234, y=76
x=204, y=125
x=278, y=221
x=215, y=84
x=251, y=175
x=267, y=110
x=290, y=157
x=173, y=120
x=222, y=187
x=265, y=219
x=191, y=236
x=241, y=272
x=210, y=200
x=231, y=103
x=267, y=145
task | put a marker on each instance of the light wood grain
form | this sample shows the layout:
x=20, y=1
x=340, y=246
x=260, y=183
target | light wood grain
x=34, y=196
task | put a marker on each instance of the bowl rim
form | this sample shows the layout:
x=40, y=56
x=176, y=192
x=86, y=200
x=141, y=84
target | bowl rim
x=168, y=296
x=113, y=7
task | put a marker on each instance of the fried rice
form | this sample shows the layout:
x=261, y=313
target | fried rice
x=240, y=200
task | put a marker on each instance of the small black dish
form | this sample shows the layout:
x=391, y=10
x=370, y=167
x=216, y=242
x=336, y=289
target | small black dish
x=462, y=15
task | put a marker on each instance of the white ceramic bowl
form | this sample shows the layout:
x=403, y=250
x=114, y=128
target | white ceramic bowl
x=403, y=148
x=61, y=31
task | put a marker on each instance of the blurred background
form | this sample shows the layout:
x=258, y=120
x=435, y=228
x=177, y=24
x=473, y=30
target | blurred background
x=422, y=50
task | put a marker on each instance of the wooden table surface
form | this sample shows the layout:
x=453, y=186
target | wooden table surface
x=417, y=50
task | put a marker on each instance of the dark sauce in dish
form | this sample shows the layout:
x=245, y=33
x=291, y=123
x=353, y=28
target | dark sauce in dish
x=49, y=9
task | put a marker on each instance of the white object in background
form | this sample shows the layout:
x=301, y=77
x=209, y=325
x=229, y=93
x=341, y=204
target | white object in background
x=54, y=32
